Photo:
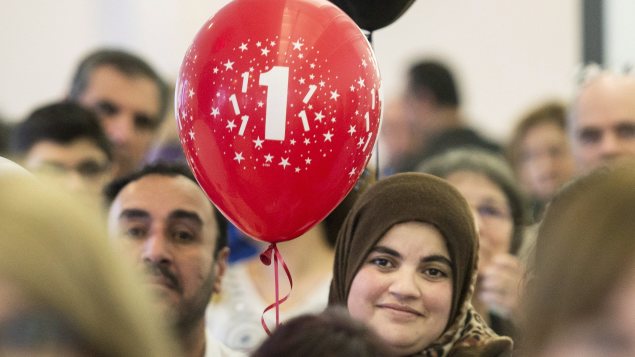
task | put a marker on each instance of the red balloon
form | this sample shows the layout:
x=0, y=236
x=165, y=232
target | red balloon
x=278, y=107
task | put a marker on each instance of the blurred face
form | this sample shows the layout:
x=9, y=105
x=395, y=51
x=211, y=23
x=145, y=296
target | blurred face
x=546, y=162
x=491, y=211
x=27, y=329
x=603, y=127
x=396, y=136
x=168, y=225
x=609, y=333
x=79, y=166
x=403, y=290
x=128, y=108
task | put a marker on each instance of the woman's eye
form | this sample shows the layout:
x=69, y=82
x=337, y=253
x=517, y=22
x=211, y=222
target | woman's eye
x=435, y=273
x=381, y=262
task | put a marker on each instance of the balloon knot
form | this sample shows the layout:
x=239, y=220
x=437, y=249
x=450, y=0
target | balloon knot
x=265, y=257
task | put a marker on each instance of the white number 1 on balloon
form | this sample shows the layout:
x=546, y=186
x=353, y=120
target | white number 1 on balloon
x=277, y=82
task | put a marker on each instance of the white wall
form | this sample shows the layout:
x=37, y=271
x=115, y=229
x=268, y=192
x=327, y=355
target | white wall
x=508, y=54
x=619, y=34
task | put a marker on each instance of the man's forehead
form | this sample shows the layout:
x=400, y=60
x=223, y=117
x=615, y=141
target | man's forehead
x=106, y=82
x=162, y=195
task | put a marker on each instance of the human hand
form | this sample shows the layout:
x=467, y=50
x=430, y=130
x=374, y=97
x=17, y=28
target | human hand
x=501, y=285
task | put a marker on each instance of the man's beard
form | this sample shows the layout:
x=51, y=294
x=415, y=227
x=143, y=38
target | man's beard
x=187, y=314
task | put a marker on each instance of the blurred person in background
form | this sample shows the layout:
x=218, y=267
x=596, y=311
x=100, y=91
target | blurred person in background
x=129, y=98
x=602, y=119
x=5, y=130
x=488, y=184
x=540, y=154
x=582, y=288
x=396, y=137
x=63, y=290
x=63, y=142
x=433, y=105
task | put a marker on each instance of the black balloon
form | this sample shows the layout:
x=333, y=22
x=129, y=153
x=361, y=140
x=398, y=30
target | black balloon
x=372, y=15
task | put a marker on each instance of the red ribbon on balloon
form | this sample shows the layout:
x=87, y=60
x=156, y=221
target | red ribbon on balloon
x=278, y=105
x=265, y=258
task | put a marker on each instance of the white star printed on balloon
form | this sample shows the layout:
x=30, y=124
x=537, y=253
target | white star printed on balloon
x=297, y=45
x=352, y=172
x=258, y=143
x=284, y=162
x=314, y=89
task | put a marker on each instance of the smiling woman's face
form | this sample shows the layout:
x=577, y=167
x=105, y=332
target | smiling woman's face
x=404, y=288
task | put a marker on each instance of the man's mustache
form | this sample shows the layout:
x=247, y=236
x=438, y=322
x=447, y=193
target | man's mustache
x=162, y=270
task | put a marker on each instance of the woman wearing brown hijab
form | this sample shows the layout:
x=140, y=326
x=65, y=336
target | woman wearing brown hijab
x=405, y=263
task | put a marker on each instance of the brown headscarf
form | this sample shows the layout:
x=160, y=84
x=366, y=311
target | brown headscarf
x=423, y=198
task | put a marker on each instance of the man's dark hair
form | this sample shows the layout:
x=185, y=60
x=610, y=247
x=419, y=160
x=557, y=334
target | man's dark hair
x=124, y=62
x=433, y=79
x=171, y=170
x=62, y=123
x=5, y=131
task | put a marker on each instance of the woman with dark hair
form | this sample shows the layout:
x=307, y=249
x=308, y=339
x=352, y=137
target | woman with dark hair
x=487, y=183
x=405, y=264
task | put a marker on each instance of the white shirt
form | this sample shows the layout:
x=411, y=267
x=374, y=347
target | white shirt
x=234, y=315
x=214, y=348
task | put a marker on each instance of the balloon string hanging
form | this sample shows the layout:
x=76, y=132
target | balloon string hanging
x=265, y=258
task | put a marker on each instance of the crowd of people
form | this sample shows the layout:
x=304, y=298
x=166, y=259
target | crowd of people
x=456, y=245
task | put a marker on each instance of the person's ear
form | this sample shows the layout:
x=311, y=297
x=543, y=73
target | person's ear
x=220, y=267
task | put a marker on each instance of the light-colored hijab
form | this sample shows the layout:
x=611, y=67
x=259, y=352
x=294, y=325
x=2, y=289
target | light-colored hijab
x=423, y=198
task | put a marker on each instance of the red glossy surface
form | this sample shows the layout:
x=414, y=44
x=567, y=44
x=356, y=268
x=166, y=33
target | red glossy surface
x=276, y=174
